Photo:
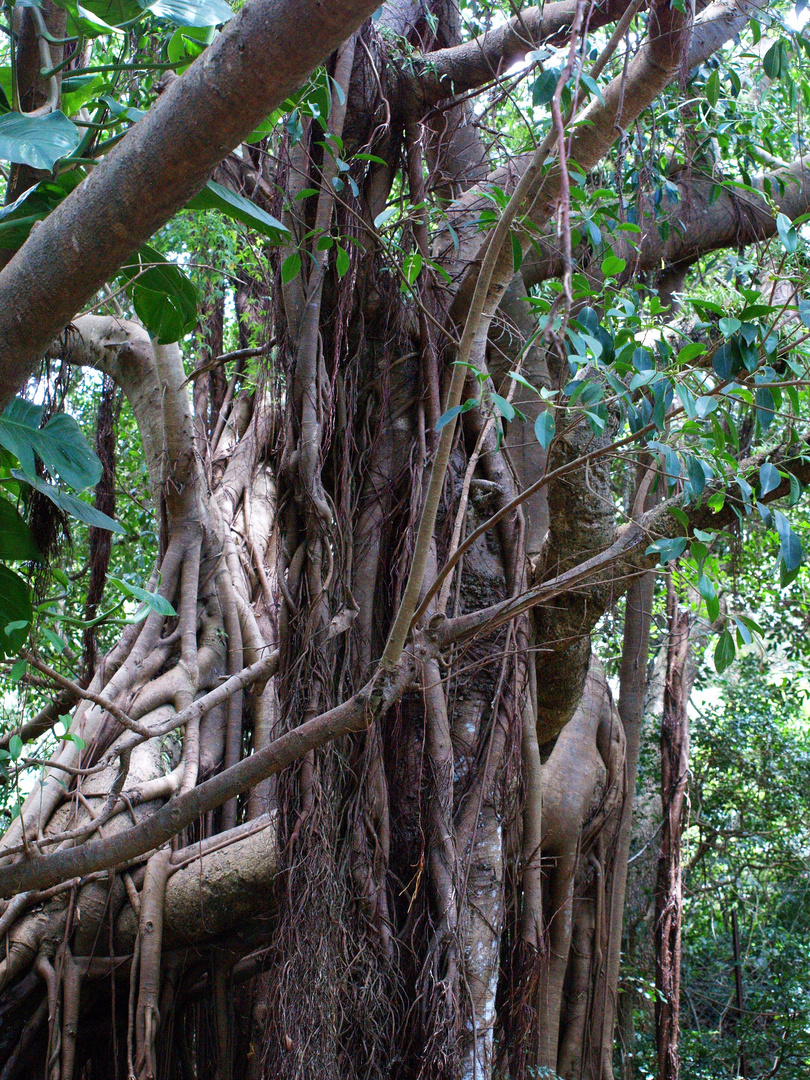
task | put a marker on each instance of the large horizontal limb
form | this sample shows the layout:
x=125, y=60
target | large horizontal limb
x=735, y=218
x=261, y=58
x=448, y=72
x=648, y=74
x=356, y=714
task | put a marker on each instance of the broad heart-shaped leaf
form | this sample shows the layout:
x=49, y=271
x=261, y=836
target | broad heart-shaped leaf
x=191, y=12
x=60, y=445
x=71, y=505
x=112, y=12
x=15, y=608
x=187, y=43
x=5, y=87
x=34, y=204
x=14, y=233
x=163, y=297
x=38, y=141
x=216, y=197
x=16, y=540
x=87, y=21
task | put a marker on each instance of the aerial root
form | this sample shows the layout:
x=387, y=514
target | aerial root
x=150, y=934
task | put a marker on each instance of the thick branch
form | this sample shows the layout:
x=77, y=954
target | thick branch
x=356, y=714
x=651, y=70
x=735, y=218
x=448, y=72
x=262, y=56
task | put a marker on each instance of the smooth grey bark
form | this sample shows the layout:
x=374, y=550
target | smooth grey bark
x=261, y=57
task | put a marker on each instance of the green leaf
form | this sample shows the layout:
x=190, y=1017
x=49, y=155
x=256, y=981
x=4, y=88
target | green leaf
x=87, y=21
x=593, y=86
x=57, y=642
x=38, y=141
x=71, y=505
x=446, y=417
x=14, y=233
x=744, y=635
x=341, y=261
x=790, y=548
x=517, y=253
x=15, y=747
x=18, y=670
x=518, y=378
x=724, y=652
x=154, y=601
x=451, y=414
x=83, y=21
x=787, y=234
x=543, y=87
x=544, y=428
x=769, y=479
x=16, y=612
x=164, y=299
x=16, y=540
x=708, y=592
x=613, y=265
x=188, y=42
x=680, y=516
x=385, y=217
x=60, y=445
x=667, y=549
x=291, y=267
x=412, y=267
x=712, y=88
x=704, y=406
x=691, y=352
x=775, y=60
x=111, y=12
x=729, y=326
x=748, y=622
x=504, y=407
x=216, y=197
x=191, y=12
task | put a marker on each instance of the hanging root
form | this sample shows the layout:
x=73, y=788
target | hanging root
x=150, y=932
x=100, y=540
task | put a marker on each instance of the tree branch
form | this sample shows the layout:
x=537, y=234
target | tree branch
x=626, y=557
x=356, y=714
x=260, y=58
x=448, y=72
x=737, y=217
